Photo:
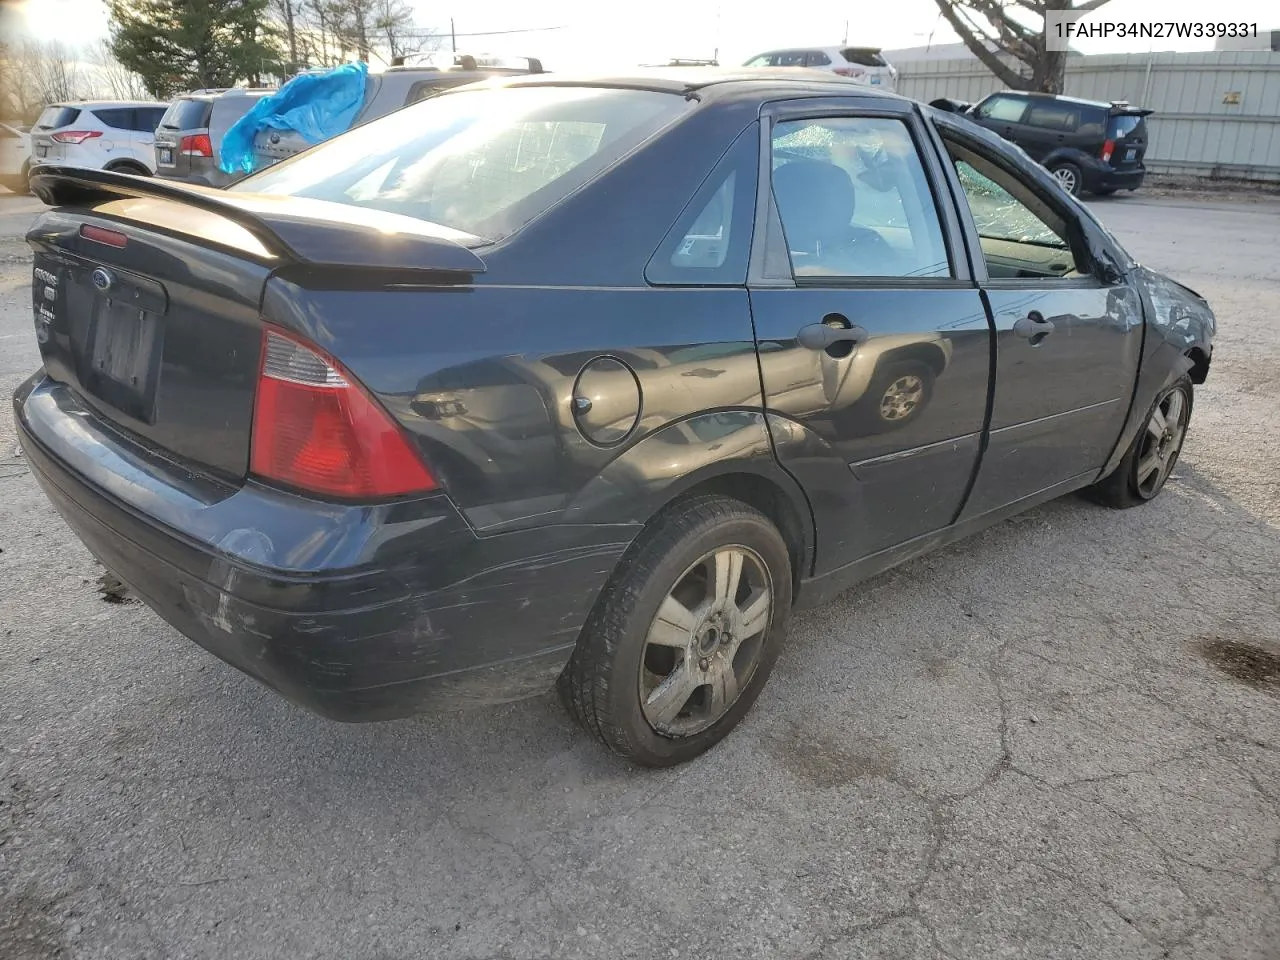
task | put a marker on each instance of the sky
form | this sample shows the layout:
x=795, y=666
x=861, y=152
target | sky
x=595, y=36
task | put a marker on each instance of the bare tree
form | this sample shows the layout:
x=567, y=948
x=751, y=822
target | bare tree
x=49, y=72
x=113, y=79
x=291, y=14
x=393, y=24
x=995, y=29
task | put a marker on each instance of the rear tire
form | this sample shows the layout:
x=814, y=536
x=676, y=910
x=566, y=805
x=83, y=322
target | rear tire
x=1151, y=457
x=660, y=690
x=136, y=169
x=1069, y=177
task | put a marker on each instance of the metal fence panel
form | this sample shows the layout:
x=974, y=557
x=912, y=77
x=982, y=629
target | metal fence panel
x=1217, y=113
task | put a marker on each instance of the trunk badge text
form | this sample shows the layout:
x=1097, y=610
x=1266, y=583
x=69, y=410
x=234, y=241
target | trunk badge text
x=102, y=279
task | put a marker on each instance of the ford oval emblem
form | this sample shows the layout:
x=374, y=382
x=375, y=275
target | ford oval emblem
x=102, y=279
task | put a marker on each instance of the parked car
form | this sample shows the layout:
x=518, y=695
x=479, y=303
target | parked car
x=15, y=157
x=1090, y=146
x=98, y=134
x=543, y=381
x=191, y=130
x=396, y=87
x=861, y=64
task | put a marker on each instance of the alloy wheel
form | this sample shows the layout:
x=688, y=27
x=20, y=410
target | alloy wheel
x=1067, y=177
x=1161, y=443
x=705, y=642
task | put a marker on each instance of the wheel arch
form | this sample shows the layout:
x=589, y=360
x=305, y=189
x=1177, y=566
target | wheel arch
x=927, y=353
x=136, y=167
x=1200, y=359
x=738, y=463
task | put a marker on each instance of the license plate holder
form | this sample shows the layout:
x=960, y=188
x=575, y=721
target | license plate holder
x=124, y=344
x=42, y=150
x=1130, y=154
x=164, y=155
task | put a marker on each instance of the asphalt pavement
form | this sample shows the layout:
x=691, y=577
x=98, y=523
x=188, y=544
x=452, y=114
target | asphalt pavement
x=1058, y=739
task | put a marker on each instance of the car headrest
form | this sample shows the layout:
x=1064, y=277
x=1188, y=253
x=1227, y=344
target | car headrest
x=816, y=200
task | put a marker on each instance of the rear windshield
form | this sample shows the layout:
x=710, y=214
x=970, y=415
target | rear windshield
x=187, y=114
x=54, y=117
x=1123, y=125
x=485, y=162
x=863, y=57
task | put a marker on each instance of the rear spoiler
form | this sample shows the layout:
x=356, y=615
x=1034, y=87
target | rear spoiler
x=304, y=240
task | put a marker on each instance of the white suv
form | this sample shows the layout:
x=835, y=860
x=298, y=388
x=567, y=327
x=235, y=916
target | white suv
x=101, y=134
x=860, y=64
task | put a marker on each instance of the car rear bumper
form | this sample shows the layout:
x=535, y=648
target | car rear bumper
x=356, y=612
x=1104, y=177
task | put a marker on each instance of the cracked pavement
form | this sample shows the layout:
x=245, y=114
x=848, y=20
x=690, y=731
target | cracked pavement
x=1016, y=747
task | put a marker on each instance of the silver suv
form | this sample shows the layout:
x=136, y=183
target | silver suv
x=385, y=92
x=191, y=131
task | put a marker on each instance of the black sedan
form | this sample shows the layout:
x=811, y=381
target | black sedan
x=588, y=379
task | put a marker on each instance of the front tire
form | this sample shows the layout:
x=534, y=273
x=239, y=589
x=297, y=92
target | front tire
x=1150, y=459
x=684, y=637
x=1069, y=177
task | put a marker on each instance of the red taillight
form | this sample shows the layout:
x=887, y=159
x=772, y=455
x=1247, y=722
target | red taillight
x=197, y=146
x=76, y=136
x=1108, y=148
x=315, y=429
x=112, y=238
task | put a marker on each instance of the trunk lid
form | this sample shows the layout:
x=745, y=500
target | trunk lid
x=1128, y=131
x=146, y=297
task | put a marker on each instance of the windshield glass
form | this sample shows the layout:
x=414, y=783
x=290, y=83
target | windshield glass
x=485, y=161
x=187, y=114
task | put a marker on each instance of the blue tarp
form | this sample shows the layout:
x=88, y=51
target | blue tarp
x=317, y=105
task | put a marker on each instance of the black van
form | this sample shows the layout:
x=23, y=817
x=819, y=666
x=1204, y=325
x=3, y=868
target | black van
x=1087, y=145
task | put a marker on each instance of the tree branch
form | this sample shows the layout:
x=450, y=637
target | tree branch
x=974, y=38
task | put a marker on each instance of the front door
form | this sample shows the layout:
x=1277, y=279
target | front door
x=1067, y=342
x=873, y=341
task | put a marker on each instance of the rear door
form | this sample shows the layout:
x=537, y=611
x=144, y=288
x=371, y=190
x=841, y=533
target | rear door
x=873, y=341
x=1067, y=341
x=1047, y=126
x=1127, y=134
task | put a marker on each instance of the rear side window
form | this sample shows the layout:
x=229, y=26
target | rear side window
x=55, y=117
x=818, y=59
x=1051, y=115
x=1008, y=109
x=1093, y=122
x=187, y=114
x=146, y=119
x=484, y=162
x=710, y=242
x=863, y=57
x=1123, y=125
x=119, y=118
x=790, y=58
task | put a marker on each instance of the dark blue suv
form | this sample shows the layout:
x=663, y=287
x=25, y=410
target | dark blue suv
x=1087, y=145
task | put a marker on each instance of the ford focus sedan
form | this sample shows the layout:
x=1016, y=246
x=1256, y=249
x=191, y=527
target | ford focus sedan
x=587, y=382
